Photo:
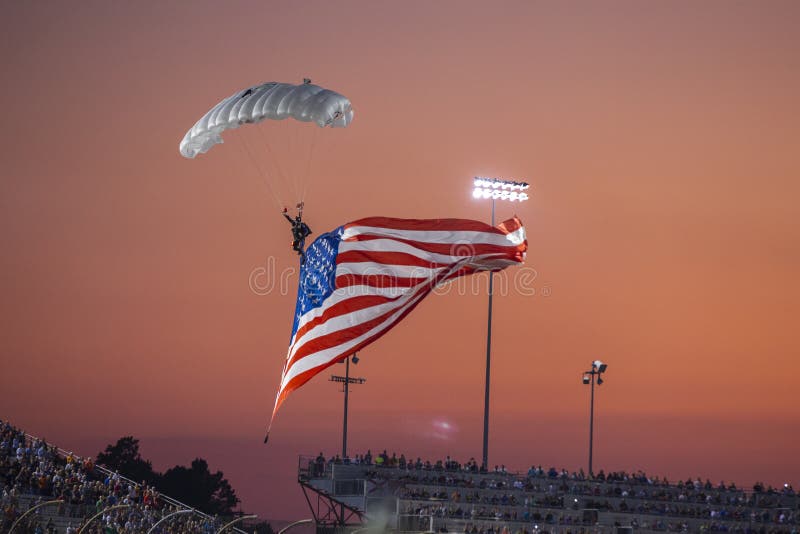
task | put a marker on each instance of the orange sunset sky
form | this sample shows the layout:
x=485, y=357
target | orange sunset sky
x=662, y=144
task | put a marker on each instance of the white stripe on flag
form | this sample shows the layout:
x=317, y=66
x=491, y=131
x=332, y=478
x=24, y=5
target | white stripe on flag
x=343, y=294
x=392, y=245
x=349, y=320
x=430, y=236
x=325, y=356
x=371, y=268
x=484, y=262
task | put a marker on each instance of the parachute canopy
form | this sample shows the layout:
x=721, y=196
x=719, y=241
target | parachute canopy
x=272, y=100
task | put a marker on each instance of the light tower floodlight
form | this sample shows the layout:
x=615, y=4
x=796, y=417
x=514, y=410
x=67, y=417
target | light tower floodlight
x=499, y=189
x=494, y=189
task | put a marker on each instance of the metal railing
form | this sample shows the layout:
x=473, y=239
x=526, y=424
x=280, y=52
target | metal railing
x=164, y=498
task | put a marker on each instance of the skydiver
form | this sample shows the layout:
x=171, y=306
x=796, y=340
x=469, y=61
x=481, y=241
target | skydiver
x=300, y=231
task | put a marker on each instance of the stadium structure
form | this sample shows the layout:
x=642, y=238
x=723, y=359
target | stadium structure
x=401, y=496
x=44, y=489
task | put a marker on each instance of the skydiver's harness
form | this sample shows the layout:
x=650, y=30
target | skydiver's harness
x=300, y=231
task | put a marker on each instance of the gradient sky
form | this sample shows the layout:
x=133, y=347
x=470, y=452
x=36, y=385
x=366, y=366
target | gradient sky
x=662, y=142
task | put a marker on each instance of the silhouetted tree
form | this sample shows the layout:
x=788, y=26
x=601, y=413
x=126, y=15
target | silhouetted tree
x=124, y=458
x=194, y=485
x=198, y=487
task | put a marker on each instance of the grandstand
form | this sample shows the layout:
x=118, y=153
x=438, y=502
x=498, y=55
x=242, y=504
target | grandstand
x=44, y=489
x=445, y=496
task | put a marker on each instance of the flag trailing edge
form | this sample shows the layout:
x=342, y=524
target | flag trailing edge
x=364, y=277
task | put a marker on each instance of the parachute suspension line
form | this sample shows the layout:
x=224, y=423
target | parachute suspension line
x=295, y=149
x=297, y=144
x=245, y=169
x=264, y=178
x=299, y=149
x=271, y=157
x=307, y=173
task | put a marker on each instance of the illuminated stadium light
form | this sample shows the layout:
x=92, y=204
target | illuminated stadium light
x=494, y=183
x=494, y=189
x=499, y=194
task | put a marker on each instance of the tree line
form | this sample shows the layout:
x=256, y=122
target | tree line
x=195, y=485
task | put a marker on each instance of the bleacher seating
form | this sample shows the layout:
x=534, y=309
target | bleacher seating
x=448, y=496
x=33, y=473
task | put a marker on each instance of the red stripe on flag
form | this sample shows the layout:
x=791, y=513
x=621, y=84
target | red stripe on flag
x=376, y=280
x=459, y=249
x=305, y=376
x=346, y=334
x=340, y=308
x=386, y=258
x=425, y=225
x=510, y=225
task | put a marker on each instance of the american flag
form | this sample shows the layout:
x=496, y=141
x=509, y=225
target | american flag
x=361, y=279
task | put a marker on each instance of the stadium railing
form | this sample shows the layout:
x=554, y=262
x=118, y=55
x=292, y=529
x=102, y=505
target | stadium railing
x=108, y=472
x=662, y=504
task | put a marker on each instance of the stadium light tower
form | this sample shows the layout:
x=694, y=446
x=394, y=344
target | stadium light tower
x=494, y=189
x=346, y=381
x=598, y=368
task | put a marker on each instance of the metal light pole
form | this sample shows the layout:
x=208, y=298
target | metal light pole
x=485, y=460
x=504, y=190
x=598, y=368
x=346, y=380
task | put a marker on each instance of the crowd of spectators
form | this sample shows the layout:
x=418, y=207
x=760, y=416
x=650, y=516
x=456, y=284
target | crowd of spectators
x=33, y=472
x=465, y=492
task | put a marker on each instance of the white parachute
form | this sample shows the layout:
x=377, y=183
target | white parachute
x=289, y=148
x=276, y=101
